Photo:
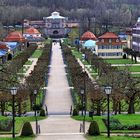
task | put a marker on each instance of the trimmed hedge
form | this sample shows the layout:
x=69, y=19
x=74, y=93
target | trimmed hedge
x=93, y=129
x=27, y=130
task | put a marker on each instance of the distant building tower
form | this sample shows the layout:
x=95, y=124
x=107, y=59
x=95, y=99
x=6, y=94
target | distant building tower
x=136, y=36
x=55, y=26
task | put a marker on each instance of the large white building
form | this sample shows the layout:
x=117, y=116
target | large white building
x=55, y=25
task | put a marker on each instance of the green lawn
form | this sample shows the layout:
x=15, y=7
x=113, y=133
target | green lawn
x=37, y=53
x=19, y=138
x=120, y=61
x=19, y=122
x=136, y=75
x=79, y=55
x=28, y=62
x=130, y=68
x=24, y=69
x=111, y=138
x=102, y=126
x=128, y=119
x=124, y=119
x=48, y=41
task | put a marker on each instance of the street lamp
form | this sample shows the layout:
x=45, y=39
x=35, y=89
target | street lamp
x=13, y=93
x=83, y=106
x=35, y=93
x=82, y=95
x=108, y=90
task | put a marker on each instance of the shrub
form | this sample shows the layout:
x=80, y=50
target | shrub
x=6, y=125
x=37, y=107
x=42, y=112
x=94, y=129
x=75, y=112
x=27, y=129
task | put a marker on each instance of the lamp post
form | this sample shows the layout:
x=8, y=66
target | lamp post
x=83, y=106
x=35, y=93
x=13, y=93
x=108, y=90
x=82, y=95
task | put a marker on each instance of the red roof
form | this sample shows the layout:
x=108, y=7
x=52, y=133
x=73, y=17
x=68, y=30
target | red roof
x=88, y=35
x=3, y=46
x=14, y=36
x=32, y=30
x=108, y=35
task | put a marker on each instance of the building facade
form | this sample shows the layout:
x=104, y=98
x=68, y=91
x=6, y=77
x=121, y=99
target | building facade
x=136, y=36
x=55, y=26
x=109, y=45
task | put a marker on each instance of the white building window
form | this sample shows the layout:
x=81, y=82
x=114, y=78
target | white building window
x=110, y=40
x=102, y=40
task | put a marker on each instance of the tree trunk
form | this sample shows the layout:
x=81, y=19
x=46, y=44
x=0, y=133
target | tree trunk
x=115, y=106
x=131, y=108
x=2, y=108
x=31, y=101
x=99, y=108
x=119, y=107
x=19, y=108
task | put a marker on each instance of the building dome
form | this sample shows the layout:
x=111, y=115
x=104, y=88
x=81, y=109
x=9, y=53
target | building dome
x=32, y=30
x=88, y=36
x=55, y=14
x=14, y=37
x=90, y=44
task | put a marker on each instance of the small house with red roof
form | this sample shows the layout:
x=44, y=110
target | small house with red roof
x=32, y=32
x=16, y=37
x=109, y=45
x=32, y=35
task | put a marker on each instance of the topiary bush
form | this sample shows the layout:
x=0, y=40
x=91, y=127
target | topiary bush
x=75, y=112
x=42, y=112
x=94, y=129
x=27, y=129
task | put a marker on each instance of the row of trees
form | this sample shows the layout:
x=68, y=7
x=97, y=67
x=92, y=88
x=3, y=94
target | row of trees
x=134, y=54
x=102, y=12
x=38, y=77
x=126, y=89
x=9, y=78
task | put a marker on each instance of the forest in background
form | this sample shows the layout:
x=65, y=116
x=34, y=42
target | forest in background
x=122, y=13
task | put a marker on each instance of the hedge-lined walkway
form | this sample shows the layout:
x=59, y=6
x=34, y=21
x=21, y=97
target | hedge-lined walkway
x=59, y=124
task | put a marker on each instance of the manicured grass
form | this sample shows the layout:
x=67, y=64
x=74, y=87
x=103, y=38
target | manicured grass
x=124, y=119
x=111, y=138
x=128, y=119
x=120, y=61
x=23, y=69
x=136, y=75
x=28, y=62
x=98, y=119
x=19, y=138
x=130, y=68
x=19, y=122
x=79, y=55
x=48, y=41
x=37, y=53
